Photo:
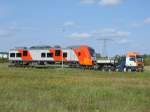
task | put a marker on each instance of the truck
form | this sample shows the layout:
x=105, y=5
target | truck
x=131, y=62
x=134, y=62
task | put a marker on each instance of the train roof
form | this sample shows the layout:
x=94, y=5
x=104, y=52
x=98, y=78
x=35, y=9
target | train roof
x=57, y=47
x=46, y=47
x=78, y=46
x=20, y=48
x=3, y=52
x=72, y=47
x=40, y=47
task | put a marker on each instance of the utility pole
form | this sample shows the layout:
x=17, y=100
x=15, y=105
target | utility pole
x=104, y=49
x=62, y=63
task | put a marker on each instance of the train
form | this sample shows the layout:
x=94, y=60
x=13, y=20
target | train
x=81, y=56
x=44, y=55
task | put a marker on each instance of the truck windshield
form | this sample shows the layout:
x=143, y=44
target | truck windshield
x=132, y=59
x=139, y=59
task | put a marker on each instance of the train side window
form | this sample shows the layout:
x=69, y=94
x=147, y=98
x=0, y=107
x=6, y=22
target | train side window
x=49, y=55
x=79, y=54
x=57, y=53
x=25, y=53
x=43, y=55
x=64, y=54
x=18, y=54
x=12, y=55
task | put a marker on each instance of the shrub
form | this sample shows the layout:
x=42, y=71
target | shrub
x=147, y=61
x=2, y=60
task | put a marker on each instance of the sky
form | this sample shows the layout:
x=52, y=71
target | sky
x=125, y=24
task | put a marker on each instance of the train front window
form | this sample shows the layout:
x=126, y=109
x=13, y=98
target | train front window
x=92, y=52
x=79, y=54
x=25, y=53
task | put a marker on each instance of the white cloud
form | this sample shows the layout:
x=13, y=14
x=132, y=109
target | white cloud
x=7, y=32
x=79, y=35
x=111, y=33
x=69, y=24
x=109, y=2
x=147, y=21
x=120, y=37
x=103, y=2
x=88, y=1
x=136, y=25
x=11, y=31
x=122, y=41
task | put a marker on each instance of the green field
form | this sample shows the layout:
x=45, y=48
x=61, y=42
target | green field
x=72, y=90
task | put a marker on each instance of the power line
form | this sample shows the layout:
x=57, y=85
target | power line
x=104, y=49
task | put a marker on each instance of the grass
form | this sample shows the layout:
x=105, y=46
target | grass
x=72, y=90
x=147, y=61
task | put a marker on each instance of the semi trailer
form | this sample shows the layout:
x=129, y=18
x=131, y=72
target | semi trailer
x=131, y=62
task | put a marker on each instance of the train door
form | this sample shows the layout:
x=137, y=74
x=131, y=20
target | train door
x=58, y=55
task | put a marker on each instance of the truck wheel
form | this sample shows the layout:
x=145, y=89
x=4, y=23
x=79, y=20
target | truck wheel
x=110, y=70
x=103, y=69
x=125, y=69
x=129, y=70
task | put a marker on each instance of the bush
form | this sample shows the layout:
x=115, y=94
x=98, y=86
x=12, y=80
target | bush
x=2, y=60
x=147, y=61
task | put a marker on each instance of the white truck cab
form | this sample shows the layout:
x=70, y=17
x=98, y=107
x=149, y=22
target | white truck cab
x=134, y=62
